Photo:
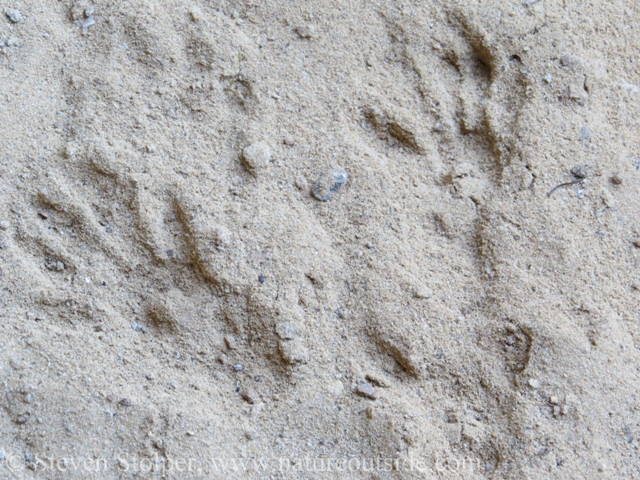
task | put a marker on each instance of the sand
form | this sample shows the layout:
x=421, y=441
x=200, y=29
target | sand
x=319, y=239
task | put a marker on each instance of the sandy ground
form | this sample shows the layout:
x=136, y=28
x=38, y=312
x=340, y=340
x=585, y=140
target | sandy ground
x=275, y=239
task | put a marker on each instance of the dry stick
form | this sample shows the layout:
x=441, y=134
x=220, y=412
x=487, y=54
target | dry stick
x=564, y=185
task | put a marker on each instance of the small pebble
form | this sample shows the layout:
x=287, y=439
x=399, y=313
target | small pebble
x=59, y=266
x=250, y=395
x=617, y=180
x=423, y=292
x=43, y=215
x=196, y=14
x=261, y=278
x=329, y=183
x=22, y=419
x=569, y=61
x=4, y=225
x=637, y=243
x=256, y=156
x=111, y=398
x=169, y=253
x=289, y=140
x=370, y=411
x=125, y=402
x=366, y=390
x=231, y=343
x=287, y=330
x=137, y=327
x=13, y=42
x=533, y=383
x=238, y=367
x=306, y=31
x=15, y=16
x=579, y=172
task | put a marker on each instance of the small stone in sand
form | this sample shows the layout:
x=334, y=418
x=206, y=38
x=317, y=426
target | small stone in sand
x=306, y=31
x=617, y=180
x=637, y=243
x=4, y=225
x=287, y=330
x=196, y=13
x=22, y=419
x=569, y=61
x=250, y=395
x=230, y=342
x=15, y=16
x=125, y=402
x=256, y=156
x=329, y=183
x=366, y=390
x=238, y=367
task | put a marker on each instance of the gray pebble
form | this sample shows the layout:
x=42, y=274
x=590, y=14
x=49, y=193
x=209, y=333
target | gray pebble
x=329, y=183
x=585, y=133
x=569, y=61
x=125, y=402
x=579, y=172
x=137, y=327
x=4, y=225
x=366, y=390
x=238, y=367
x=15, y=16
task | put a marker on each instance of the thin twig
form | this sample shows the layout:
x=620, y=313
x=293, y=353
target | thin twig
x=564, y=185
